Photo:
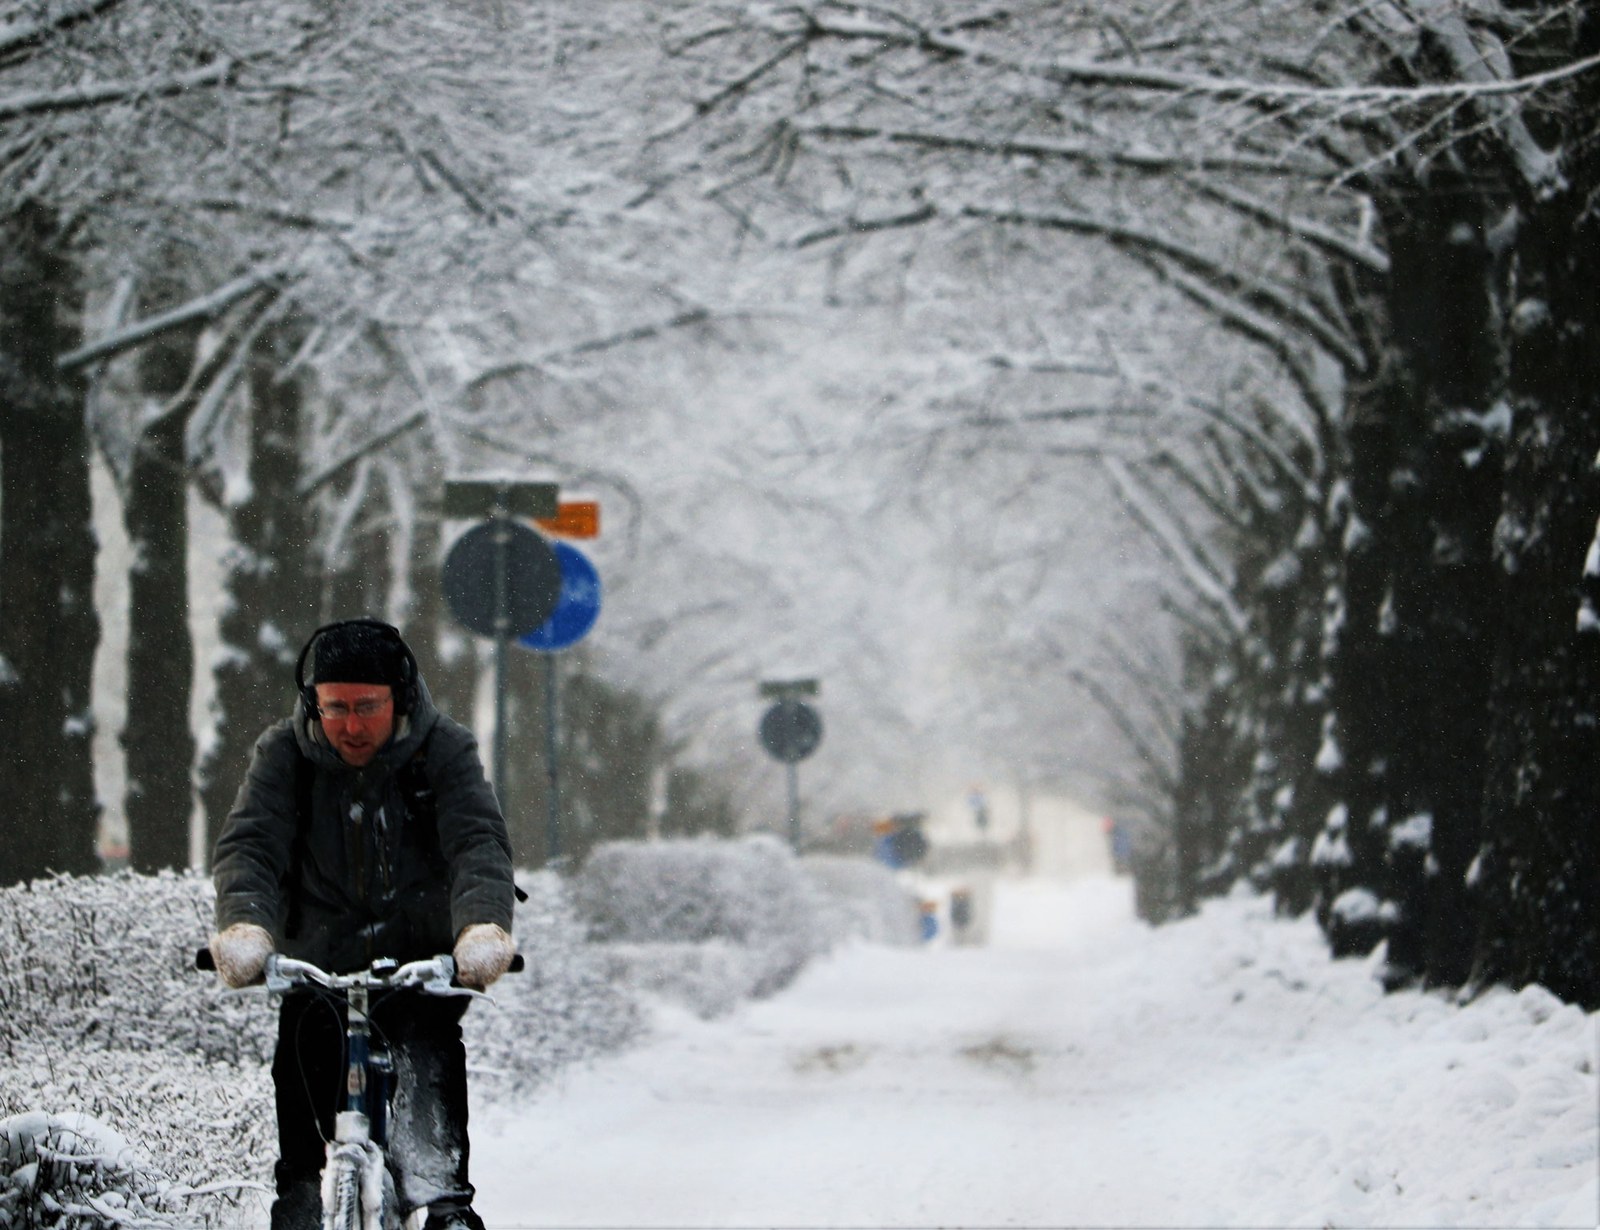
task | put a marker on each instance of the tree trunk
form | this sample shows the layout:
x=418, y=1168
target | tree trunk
x=157, y=740
x=272, y=585
x=159, y=745
x=1538, y=871
x=48, y=625
x=1409, y=665
x=431, y=631
x=358, y=584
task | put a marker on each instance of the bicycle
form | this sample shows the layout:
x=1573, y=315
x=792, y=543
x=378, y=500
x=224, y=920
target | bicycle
x=357, y=1188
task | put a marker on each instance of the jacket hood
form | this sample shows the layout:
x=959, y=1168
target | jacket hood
x=409, y=732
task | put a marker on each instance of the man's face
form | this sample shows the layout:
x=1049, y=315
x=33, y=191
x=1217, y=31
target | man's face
x=358, y=718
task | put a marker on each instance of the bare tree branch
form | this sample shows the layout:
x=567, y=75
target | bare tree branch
x=737, y=86
x=1322, y=237
x=539, y=366
x=1269, y=334
x=88, y=97
x=866, y=226
x=1143, y=747
x=17, y=36
x=1253, y=291
x=1153, y=161
x=1197, y=573
x=207, y=307
x=1066, y=71
x=1262, y=442
x=329, y=473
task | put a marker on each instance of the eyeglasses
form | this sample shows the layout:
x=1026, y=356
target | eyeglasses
x=338, y=711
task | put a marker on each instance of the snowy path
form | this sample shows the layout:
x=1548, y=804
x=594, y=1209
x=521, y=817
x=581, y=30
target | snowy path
x=1081, y=1071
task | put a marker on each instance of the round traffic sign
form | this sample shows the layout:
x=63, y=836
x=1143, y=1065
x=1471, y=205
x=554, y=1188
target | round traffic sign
x=791, y=730
x=532, y=578
x=577, y=608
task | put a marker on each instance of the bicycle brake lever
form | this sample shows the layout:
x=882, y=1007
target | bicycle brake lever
x=276, y=983
x=459, y=991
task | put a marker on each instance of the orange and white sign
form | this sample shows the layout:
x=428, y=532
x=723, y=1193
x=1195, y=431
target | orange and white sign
x=573, y=519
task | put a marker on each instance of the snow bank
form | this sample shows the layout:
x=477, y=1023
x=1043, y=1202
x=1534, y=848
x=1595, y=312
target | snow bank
x=1082, y=1070
x=1291, y=1090
x=709, y=923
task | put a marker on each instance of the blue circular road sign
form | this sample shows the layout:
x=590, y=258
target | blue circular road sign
x=791, y=730
x=527, y=591
x=576, y=609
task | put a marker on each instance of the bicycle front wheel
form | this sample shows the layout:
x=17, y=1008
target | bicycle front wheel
x=341, y=1194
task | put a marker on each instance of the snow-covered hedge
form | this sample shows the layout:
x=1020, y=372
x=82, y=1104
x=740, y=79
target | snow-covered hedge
x=107, y=962
x=108, y=1031
x=135, y=1089
x=105, y=1023
x=661, y=901
x=708, y=923
x=72, y=1169
x=862, y=900
x=563, y=1007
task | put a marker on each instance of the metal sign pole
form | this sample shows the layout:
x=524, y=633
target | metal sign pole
x=501, y=580
x=552, y=754
x=794, y=806
x=790, y=731
x=502, y=640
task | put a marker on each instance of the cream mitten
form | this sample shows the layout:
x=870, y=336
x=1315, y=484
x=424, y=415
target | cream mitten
x=240, y=952
x=483, y=952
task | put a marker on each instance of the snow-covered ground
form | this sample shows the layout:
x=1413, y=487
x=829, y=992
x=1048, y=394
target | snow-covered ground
x=1082, y=1070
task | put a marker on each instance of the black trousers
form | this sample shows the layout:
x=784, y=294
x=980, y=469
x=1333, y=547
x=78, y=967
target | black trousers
x=427, y=1150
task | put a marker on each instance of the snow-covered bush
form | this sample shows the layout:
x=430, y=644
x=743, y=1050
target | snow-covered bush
x=565, y=1006
x=710, y=978
x=862, y=900
x=659, y=903
x=205, y=1140
x=105, y=1023
x=854, y=899
x=70, y=1170
x=109, y=1035
x=107, y=962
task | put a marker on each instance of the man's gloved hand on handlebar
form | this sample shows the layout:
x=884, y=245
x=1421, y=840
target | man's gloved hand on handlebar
x=483, y=953
x=240, y=953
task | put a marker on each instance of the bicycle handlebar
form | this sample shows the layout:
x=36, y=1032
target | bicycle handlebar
x=433, y=975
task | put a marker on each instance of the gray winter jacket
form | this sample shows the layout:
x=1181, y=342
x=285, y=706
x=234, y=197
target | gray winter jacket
x=370, y=884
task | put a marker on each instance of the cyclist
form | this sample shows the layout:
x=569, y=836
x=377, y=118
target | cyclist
x=365, y=828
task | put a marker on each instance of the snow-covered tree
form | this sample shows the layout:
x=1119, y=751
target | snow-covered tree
x=1372, y=199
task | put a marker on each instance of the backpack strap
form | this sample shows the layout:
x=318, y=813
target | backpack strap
x=422, y=803
x=304, y=773
x=417, y=795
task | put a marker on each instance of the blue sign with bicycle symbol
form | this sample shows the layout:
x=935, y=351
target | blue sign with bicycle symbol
x=577, y=609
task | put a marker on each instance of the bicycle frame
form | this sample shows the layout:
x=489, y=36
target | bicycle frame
x=355, y=1179
x=356, y=1189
